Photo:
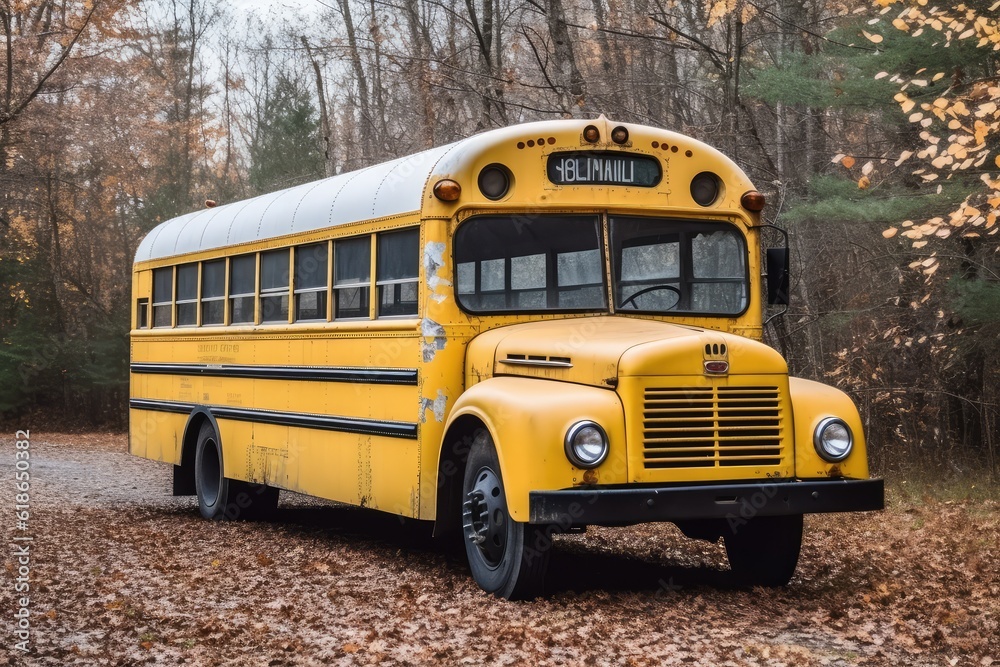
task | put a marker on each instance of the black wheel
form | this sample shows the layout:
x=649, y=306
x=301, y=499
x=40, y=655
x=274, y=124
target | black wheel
x=507, y=558
x=221, y=498
x=764, y=550
x=647, y=290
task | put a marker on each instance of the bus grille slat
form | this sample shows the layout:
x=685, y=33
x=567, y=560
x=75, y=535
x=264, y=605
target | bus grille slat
x=699, y=427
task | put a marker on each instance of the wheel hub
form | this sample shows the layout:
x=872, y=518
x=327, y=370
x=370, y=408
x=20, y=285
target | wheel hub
x=484, y=516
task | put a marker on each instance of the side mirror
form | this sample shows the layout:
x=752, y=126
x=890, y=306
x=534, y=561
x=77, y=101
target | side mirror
x=777, y=276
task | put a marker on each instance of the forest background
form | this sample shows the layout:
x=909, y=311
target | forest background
x=872, y=128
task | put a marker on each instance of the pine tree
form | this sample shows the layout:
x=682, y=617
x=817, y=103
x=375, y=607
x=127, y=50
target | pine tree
x=285, y=148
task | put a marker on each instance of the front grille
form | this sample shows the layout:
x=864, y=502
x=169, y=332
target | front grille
x=711, y=427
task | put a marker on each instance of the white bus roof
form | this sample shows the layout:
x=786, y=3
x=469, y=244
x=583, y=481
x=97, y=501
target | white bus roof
x=390, y=188
x=381, y=190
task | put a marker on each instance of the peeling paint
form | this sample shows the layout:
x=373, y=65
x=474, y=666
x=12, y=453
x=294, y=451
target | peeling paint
x=433, y=261
x=431, y=329
x=437, y=406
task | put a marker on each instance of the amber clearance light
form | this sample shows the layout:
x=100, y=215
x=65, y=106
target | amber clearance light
x=447, y=190
x=753, y=201
x=591, y=134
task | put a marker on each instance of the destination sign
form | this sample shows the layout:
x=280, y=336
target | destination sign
x=591, y=168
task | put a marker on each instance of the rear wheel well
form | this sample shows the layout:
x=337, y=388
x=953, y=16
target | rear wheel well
x=451, y=472
x=184, y=473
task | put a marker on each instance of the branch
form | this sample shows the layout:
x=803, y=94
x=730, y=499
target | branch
x=10, y=61
x=807, y=30
x=9, y=115
x=538, y=58
x=712, y=52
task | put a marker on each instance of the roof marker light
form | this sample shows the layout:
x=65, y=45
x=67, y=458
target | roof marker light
x=753, y=201
x=447, y=190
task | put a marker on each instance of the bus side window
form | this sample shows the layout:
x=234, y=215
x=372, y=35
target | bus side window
x=241, y=288
x=142, y=314
x=213, y=292
x=352, y=261
x=187, y=295
x=274, y=286
x=311, y=262
x=163, y=296
x=397, y=272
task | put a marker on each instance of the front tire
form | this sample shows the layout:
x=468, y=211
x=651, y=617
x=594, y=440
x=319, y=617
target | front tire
x=507, y=558
x=764, y=550
x=221, y=498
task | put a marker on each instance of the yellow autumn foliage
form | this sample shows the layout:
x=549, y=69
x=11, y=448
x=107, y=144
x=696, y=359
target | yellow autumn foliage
x=953, y=145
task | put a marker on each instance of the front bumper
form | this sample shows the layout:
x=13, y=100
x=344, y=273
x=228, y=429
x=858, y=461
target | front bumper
x=625, y=506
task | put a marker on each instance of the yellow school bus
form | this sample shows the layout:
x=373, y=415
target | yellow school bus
x=529, y=331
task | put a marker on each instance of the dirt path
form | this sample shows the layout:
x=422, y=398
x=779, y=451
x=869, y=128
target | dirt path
x=122, y=573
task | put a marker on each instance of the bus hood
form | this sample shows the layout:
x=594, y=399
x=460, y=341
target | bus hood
x=598, y=350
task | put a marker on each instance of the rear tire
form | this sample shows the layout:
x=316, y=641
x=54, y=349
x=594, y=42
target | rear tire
x=221, y=498
x=764, y=550
x=507, y=558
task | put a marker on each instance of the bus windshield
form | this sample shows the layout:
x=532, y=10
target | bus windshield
x=544, y=263
x=530, y=263
x=678, y=266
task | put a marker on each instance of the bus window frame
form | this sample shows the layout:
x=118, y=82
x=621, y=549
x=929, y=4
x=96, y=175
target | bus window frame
x=169, y=305
x=178, y=302
x=365, y=284
x=298, y=291
x=142, y=313
x=550, y=271
x=230, y=310
x=203, y=300
x=415, y=280
x=683, y=225
x=274, y=293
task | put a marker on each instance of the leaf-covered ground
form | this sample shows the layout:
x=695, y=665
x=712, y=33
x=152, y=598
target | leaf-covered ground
x=122, y=573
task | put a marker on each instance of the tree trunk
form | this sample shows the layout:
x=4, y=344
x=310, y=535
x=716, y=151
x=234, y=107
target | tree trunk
x=572, y=88
x=325, y=143
x=367, y=125
x=420, y=45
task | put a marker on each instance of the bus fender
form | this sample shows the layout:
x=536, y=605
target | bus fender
x=183, y=484
x=813, y=402
x=528, y=419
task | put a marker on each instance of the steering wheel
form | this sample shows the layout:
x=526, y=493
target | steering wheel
x=646, y=290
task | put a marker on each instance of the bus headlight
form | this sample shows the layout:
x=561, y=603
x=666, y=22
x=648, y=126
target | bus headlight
x=833, y=439
x=586, y=444
x=494, y=181
x=705, y=188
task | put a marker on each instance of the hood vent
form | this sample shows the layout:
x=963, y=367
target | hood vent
x=539, y=360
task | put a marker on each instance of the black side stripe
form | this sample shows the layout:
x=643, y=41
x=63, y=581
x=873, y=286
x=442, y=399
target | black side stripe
x=390, y=429
x=404, y=376
x=161, y=406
